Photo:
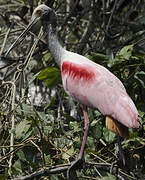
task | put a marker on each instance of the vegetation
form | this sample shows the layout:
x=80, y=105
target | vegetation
x=41, y=128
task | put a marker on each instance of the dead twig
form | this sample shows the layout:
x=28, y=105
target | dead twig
x=4, y=42
x=12, y=121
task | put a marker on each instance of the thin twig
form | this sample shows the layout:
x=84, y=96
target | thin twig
x=111, y=16
x=17, y=147
x=28, y=58
x=5, y=39
x=87, y=33
x=12, y=121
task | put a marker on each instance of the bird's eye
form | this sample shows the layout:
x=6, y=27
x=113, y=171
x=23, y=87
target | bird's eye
x=39, y=12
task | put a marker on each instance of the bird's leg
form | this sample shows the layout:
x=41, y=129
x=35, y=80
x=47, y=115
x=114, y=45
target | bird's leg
x=121, y=154
x=79, y=161
x=121, y=160
x=86, y=118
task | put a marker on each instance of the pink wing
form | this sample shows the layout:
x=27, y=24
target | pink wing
x=95, y=86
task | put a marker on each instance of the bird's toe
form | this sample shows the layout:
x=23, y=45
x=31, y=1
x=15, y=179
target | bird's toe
x=71, y=173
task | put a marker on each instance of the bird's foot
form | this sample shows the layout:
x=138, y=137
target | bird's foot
x=78, y=164
x=121, y=159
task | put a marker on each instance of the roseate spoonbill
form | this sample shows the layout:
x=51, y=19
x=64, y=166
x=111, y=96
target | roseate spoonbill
x=89, y=83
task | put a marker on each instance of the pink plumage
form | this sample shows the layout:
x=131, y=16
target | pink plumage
x=93, y=85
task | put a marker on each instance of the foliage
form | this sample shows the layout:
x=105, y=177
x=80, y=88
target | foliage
x=40, y=126
x=52, y=76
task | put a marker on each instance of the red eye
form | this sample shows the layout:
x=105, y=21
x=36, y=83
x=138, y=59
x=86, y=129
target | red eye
x=38, y=12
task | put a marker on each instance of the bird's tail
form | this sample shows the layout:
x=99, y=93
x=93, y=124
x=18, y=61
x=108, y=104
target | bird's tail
x=117, y=127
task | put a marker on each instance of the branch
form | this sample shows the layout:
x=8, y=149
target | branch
x=5, y=39
x=86, y=35
x=46, y=171
x=110, y=18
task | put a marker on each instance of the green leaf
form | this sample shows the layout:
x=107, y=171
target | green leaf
x=62, y=142
x=68, y=153
x=108, y=135
x=109, y=177
x=125, y=53
x=52, y=76
x=48, y=130
x=96, y=130
x=22, y=128
x=91, y=143
x=17, y=166
x=47, y=158
x=75, y=126
x=47, y=56
x=94, y=122
x=26, y=108
x=28, y=134
x=21, y=155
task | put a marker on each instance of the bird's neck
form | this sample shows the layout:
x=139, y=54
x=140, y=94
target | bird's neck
x=54, y=46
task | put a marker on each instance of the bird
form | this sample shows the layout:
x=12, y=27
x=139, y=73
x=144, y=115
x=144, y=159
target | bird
x=89, y=83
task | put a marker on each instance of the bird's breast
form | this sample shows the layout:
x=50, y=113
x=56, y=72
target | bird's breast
x=77, y=79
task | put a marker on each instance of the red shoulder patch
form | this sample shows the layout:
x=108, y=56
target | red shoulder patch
x=77, y=71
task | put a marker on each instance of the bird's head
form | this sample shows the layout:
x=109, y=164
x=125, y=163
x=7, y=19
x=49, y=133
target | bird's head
x=42, y=15
x=45, y=14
